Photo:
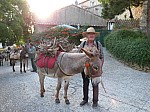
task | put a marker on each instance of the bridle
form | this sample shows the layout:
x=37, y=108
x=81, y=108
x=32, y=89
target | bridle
x=87, y=65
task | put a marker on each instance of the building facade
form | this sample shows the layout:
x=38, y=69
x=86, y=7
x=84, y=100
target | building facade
x=70, y=15
x=91, y=5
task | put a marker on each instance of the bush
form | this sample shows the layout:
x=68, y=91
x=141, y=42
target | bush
x=132, y=47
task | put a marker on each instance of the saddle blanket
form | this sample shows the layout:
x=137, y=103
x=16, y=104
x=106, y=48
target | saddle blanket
x=15, y=56
x=46, y=61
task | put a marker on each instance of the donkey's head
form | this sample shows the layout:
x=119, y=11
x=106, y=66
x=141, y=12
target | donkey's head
x=93, y=66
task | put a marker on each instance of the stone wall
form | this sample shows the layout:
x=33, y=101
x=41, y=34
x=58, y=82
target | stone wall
x=136, y=11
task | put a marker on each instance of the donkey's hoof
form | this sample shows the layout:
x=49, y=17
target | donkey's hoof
x=13, y=70
x=42, y=95
x=24, y=71
x=57, y=101
x=67, y=102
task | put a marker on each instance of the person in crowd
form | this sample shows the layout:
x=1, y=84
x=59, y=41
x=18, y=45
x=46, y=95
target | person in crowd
x=32, y=52
x=8, y=51
x=90, y=35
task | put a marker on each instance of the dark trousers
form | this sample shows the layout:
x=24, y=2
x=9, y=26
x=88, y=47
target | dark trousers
x=86, y=82
x=10, y=62
x=33, y=64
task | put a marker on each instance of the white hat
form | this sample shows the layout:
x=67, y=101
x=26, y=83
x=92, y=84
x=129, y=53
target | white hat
x=90, y=30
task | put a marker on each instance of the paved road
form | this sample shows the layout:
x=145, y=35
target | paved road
x=128, y=90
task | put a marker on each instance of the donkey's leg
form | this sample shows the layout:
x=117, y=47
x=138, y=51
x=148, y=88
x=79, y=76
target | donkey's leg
x=27, y=63
x=2, y=62
x=13, y=65
x=20, y=65
x=57, y=90
x=10, y=62
x=24, y=65
x=66, y=85
x=41, y=79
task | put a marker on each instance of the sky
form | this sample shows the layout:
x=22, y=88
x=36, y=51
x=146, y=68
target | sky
x=43, y=8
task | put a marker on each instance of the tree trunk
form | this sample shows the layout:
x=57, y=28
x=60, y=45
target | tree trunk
x=131, y=15
x=148, y=17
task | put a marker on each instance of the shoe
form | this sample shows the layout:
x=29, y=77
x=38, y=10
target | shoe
x=83, y=103
x=33, y=71
x=94, y=105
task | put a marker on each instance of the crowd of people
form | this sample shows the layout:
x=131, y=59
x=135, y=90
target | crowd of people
x=31, y=51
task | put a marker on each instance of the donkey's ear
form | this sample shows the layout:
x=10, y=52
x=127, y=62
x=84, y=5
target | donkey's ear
x=89, y=54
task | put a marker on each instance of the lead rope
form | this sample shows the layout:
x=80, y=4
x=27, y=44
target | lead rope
x=103, y=85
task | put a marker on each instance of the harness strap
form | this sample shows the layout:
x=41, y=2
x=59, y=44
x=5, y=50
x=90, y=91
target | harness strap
x=46, y=69
x=59, y=65
x=96, y=44
x=35, y=60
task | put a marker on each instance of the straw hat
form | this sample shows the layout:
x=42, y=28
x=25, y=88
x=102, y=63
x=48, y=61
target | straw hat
x=90, y=30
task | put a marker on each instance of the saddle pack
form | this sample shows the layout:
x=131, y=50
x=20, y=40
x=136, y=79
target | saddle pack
x=44, y=61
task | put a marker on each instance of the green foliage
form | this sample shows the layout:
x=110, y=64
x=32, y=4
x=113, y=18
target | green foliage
x=105, y=12
x=5, y=33
x=130, y=46
x=103, y=34
x=16, y=16
x=111, y=8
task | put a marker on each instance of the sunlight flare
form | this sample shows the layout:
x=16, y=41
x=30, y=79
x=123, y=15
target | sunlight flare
x=43, y=8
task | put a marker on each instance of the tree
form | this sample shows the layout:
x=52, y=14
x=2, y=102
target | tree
x=27, y=18
x=6, y=11
x=111, y=8
x=17, y=18
x=148, y=17
x=105, y=13
x=6, y=33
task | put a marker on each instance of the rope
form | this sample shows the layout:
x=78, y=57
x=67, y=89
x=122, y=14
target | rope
x=59, y=65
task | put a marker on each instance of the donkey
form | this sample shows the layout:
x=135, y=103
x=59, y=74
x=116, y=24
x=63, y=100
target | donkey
x=69, y=64
x=1, y=58
x=22, y=56
x=7, y=54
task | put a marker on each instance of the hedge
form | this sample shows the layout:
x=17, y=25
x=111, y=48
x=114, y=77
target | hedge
x=132, y=47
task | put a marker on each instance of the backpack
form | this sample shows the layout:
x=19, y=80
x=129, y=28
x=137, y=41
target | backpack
x=96, y=46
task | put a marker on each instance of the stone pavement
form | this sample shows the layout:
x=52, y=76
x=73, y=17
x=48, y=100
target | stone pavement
x=128, y=90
